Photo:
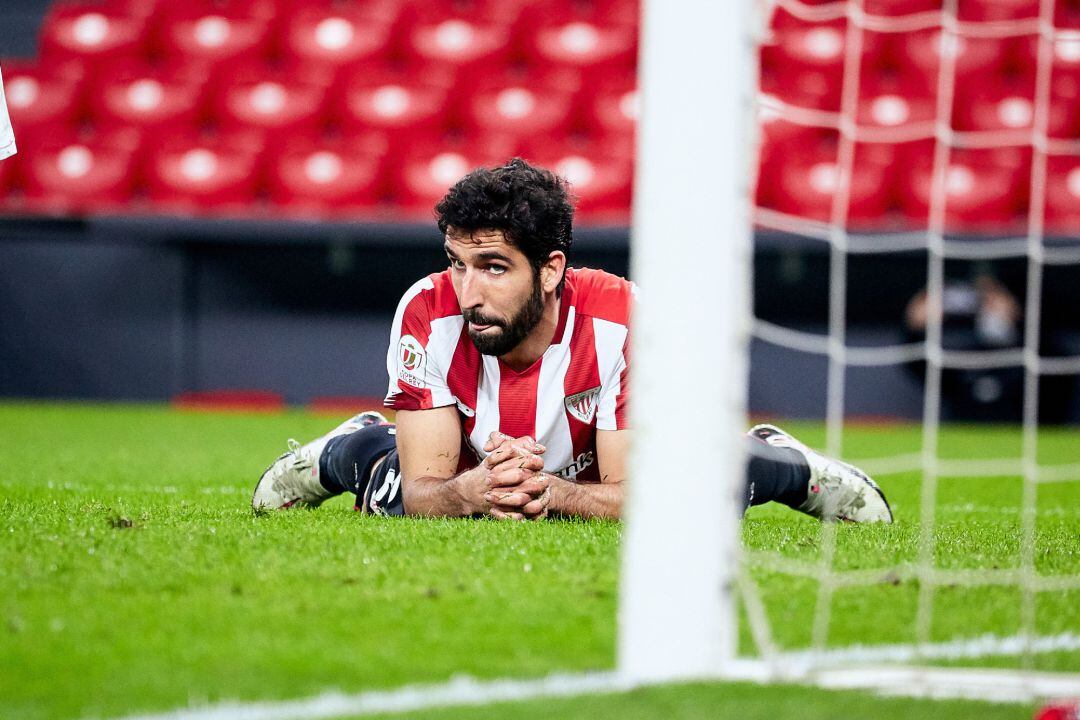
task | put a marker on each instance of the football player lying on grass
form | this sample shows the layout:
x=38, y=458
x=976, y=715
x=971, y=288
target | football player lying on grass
x=509, y=375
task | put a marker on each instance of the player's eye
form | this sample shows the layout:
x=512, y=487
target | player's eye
x=457, y=264
x=496, y=269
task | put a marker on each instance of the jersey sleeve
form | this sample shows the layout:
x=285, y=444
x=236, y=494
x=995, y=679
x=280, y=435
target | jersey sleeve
x=613, y=356
x=7, y=135
x=417, y=380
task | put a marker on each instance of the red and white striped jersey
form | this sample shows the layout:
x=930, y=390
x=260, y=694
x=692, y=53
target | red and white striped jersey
x=7, y=136
x=578, y=386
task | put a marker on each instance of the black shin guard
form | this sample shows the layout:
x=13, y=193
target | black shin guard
x=346, y=461
x=773, y=473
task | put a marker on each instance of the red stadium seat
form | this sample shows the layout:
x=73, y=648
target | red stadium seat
x=983, y=188
x=994, y=106
x=784, y=135
x=283, y=102
x=884, y=104
x=1063, y=196
x=134, y=8
x=1065, y=52
x=782, y=19
x=79, y=176
x=43, y=101
x=198, y=34
x=996, y=10
x=266, y=10
x=598, y=34
x=320, y=179
x=1064, y=83
x=543, y=101
x=579, y=43
x=918, y=57
x=602, y=185
x=780, y=140
x=388, y=100
x=599, y=12
x=1067, y=15
x=425, y=171
x=189, y=175
x=499, y=12
x=897, y=8
x=613, y=104
x=620, y=145
x=1010, y=105
x=804, y=64
x=806, y=187
x=90, y=32
x=1065, y=101
x=332, y=37
x=458, y=41
x=134, y=94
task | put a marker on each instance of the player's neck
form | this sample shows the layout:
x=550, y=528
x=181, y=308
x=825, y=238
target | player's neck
x=538, y=340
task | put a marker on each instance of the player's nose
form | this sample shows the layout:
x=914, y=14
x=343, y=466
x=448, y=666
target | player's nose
x=472, y=295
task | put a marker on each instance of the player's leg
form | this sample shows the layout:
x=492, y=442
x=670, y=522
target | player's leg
x=784, y=470
x=327, y=466
x=383, y=493
x=348, y=461
x=774, y=474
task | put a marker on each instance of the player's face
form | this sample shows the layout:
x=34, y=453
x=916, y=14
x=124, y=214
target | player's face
x=498, y=290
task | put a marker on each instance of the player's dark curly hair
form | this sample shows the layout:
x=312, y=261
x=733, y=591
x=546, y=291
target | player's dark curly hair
x=531, y=205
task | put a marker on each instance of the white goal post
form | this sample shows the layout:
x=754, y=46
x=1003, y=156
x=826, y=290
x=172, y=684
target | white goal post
x=690, y=245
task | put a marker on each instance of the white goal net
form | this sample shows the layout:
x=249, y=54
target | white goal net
x=939, y=128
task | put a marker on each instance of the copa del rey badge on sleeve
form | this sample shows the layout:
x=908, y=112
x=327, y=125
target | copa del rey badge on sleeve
x=7, y=135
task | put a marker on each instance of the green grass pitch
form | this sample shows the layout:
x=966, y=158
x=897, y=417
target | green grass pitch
x=136, y=578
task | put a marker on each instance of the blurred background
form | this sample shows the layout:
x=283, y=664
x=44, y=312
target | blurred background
x=222, y=202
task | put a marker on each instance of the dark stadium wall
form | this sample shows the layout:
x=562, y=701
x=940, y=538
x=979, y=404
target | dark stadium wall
x=147, y=309
x=19, y=29
x=88, y=321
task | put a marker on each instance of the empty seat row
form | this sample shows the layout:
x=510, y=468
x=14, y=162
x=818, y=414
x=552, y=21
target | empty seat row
x=245, y=173
x=806, y=66
x=984, y=107
x=125, y=93
x=1066, y=13
x=313, y=35
x=891, y=186
x=182, y=107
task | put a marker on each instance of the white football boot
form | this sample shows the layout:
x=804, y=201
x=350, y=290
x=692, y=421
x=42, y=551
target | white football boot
x=293, y=479
x=837, y=491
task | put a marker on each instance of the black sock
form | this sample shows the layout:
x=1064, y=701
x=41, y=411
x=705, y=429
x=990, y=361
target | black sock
x=346, y=461
x=773, y=473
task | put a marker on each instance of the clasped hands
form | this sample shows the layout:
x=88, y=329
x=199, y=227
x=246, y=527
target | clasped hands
x=511, y=479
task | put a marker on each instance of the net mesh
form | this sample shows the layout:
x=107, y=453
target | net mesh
x=1035, y=246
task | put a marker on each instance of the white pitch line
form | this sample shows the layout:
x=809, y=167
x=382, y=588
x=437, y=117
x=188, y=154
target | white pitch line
x=1002, y=686
x=969, y=648
x=457, y=691
x=822, y=669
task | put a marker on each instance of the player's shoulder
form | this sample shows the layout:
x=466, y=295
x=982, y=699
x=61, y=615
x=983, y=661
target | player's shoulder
x=600, y=294
x=431, y=297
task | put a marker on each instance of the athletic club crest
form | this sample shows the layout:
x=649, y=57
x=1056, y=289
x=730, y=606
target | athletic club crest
x=582, y=405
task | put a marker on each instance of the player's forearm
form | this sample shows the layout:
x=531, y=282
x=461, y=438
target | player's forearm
x=438, y=497
x=603, y=500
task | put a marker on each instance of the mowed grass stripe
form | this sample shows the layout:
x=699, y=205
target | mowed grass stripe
x=136, y=578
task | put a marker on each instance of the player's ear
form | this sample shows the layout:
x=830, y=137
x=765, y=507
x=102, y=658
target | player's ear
x=551, y=272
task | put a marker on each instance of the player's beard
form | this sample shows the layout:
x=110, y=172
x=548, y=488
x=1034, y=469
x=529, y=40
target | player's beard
x=510, y=332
